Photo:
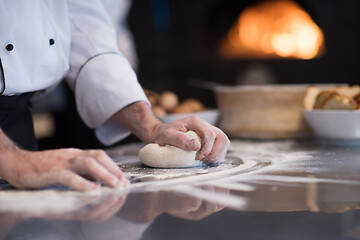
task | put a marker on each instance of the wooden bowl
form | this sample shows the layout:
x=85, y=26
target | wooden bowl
x=263, y=112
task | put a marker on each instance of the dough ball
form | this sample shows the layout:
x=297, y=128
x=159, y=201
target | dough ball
x=153, y=97
x=188, y=106
x=169, y=156
x=169, y=100
x=158, y=111
x=153, y=100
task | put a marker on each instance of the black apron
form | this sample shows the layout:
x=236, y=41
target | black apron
x=16, y=120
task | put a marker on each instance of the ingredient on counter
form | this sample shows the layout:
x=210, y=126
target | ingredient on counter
x=189, y=105
x=168, y=103
x=336, y=98
x=169, y=100
x=153, y=99
x=168, y=156
x=158, y=111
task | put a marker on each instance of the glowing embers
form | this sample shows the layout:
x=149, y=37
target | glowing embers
x=272, y=29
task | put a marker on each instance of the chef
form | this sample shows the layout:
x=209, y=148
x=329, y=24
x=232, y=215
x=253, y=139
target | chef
x=42, y=42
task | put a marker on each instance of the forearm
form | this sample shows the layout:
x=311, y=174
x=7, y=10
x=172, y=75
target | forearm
x=139, y=119
x=7, y=151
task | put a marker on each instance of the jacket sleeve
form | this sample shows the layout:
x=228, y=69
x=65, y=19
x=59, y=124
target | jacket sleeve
x=101, y=77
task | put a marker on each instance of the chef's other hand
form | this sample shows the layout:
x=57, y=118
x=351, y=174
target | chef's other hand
x=97, y=208
x=25, y=169
x=214, y=142
x=141, y=121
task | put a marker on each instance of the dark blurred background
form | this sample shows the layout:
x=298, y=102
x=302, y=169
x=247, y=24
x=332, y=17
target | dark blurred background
x=183, y=44
x=177, y=44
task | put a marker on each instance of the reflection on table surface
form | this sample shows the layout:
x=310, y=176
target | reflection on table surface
x=273, y=190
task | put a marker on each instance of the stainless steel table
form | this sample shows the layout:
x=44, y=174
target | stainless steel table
x=263, y=190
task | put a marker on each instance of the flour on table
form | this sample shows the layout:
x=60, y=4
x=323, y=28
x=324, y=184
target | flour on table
x=168, y=156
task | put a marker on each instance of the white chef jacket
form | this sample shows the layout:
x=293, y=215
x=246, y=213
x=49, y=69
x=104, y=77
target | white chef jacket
x=43, y=41
x=118, y=12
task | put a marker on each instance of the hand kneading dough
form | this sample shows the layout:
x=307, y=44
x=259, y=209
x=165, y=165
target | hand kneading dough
x=169, y=156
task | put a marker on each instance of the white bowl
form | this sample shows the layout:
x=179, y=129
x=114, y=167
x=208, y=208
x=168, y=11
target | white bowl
x=335, y=124
x=210, y=116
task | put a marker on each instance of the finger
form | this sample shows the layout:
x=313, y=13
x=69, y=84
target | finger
x=102, y=158
x=206, y=133
x=96, y=212
x=75, y=181
x=179, y=139
x=208, y=140
x=174, y=202
x=76, y=214
x=206, y=208
x=198, y=214
x=223, y=191
x=114, y=209
x=207, y=146
x=219, y=148
x=91, y=167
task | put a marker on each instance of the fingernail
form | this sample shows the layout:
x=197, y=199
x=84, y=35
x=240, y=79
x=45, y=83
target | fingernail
x=198, y=156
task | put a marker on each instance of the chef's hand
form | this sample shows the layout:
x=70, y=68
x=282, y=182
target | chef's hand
x=214, y=142
x=145, y=207
x=140, y=120
x=195, y=208
x=25, y=169
x=97, y=208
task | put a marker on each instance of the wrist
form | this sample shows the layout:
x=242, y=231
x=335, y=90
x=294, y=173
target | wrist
x=153, y=130
x=7, y=159
x=9, y=151
x=140, y=120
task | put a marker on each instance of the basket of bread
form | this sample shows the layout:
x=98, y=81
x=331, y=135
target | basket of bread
x=336, y=98
x=168, y=108
x=333, y=113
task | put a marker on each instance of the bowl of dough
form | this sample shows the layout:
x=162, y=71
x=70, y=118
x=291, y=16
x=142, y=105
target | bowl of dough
x=168, y=108
x=334, y=113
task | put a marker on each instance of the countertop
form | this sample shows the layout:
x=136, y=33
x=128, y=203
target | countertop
x=263, y=190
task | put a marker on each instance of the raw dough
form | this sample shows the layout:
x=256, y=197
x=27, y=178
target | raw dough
x=169, y=156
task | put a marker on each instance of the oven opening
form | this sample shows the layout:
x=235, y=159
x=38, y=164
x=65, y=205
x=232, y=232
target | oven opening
x=273, y=29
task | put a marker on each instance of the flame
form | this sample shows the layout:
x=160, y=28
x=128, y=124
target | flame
x=274, y=28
